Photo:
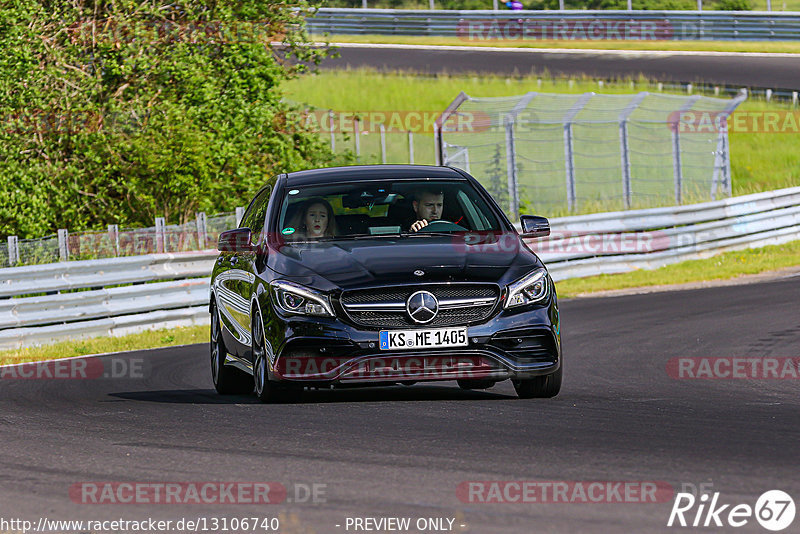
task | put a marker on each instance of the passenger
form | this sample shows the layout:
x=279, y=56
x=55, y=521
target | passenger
x=314, y=220
x=428, y=205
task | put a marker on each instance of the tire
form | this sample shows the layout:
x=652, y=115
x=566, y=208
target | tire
x=475, y=383
x=227, y=380
x=268, y=390
x=540, y=387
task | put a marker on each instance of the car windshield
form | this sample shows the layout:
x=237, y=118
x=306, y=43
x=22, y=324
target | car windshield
x=390, y=207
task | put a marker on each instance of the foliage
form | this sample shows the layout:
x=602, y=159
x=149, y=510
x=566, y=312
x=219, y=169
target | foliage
x=734, y=5
x=119, y=111
x=494, y=178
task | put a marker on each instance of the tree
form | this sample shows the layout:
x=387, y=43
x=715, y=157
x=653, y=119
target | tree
x=124, y=110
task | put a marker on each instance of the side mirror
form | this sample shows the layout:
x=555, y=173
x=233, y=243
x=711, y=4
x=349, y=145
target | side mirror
x=534, y=226
x=237, y=240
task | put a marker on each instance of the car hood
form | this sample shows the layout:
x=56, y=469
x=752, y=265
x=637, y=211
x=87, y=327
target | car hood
x=353, y=263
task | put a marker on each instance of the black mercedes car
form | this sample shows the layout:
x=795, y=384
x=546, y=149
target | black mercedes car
x=389, y=274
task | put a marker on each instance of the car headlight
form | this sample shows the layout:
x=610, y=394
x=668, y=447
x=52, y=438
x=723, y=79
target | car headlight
x=529, y=289
x=295, y=299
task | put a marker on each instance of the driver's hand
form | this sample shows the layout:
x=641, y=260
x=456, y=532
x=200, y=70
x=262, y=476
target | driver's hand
x=419, y=225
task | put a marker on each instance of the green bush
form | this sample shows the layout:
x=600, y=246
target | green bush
x=733, y=5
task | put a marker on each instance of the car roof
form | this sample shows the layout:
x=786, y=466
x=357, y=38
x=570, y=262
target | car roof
x=358, y=173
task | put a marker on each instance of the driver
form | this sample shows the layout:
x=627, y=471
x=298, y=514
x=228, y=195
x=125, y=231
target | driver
x=428, y=205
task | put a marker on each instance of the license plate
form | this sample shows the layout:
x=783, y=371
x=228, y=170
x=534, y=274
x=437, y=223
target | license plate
x=423, y=339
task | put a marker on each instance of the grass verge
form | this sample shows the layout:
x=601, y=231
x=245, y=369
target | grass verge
x=723, y=267
x=99, y=345
x=786, y=47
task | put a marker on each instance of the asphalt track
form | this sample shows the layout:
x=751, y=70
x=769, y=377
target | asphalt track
x=403, y=451
x=747, y=70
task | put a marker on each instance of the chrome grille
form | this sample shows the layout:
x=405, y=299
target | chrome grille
x=459, y=304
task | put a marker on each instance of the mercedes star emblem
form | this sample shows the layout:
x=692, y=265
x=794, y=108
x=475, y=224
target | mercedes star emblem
x=422, y=307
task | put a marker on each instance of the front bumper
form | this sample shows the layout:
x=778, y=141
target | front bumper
x=515, y=344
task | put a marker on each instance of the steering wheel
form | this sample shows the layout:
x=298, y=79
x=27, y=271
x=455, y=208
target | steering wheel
x=440, y=225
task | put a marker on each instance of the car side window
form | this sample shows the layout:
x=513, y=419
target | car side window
x=256, y=213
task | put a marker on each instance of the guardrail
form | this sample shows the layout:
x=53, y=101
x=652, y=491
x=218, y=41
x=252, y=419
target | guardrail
x=32, y=318
x=172, y=289
x=647, y=239
x=488, y=25
x=63, y=276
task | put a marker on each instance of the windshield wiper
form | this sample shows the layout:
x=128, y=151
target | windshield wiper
x=327, y=239
x=423, y=233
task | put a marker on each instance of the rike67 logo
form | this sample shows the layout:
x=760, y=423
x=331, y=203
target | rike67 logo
x=774, y=510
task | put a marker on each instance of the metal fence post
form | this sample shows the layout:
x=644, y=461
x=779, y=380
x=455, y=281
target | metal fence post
x=410, y=147
x=239, y=215
x=569, y=153
x=726, y=165
x=201, y=230
x=722, y=159
x=357, y=134
x=509, y=122
x=677, y=165
x=677, y=172
x=511, y=169
x=719, y=162
x=63, y=245
x=569, y=167
x=438, y=145
x=722, y=164
x=113, y=236
x=383, y=143
x=439, y=125
x=161, y=235
x=624, y=147
x=624, y=151
x=13, y=250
